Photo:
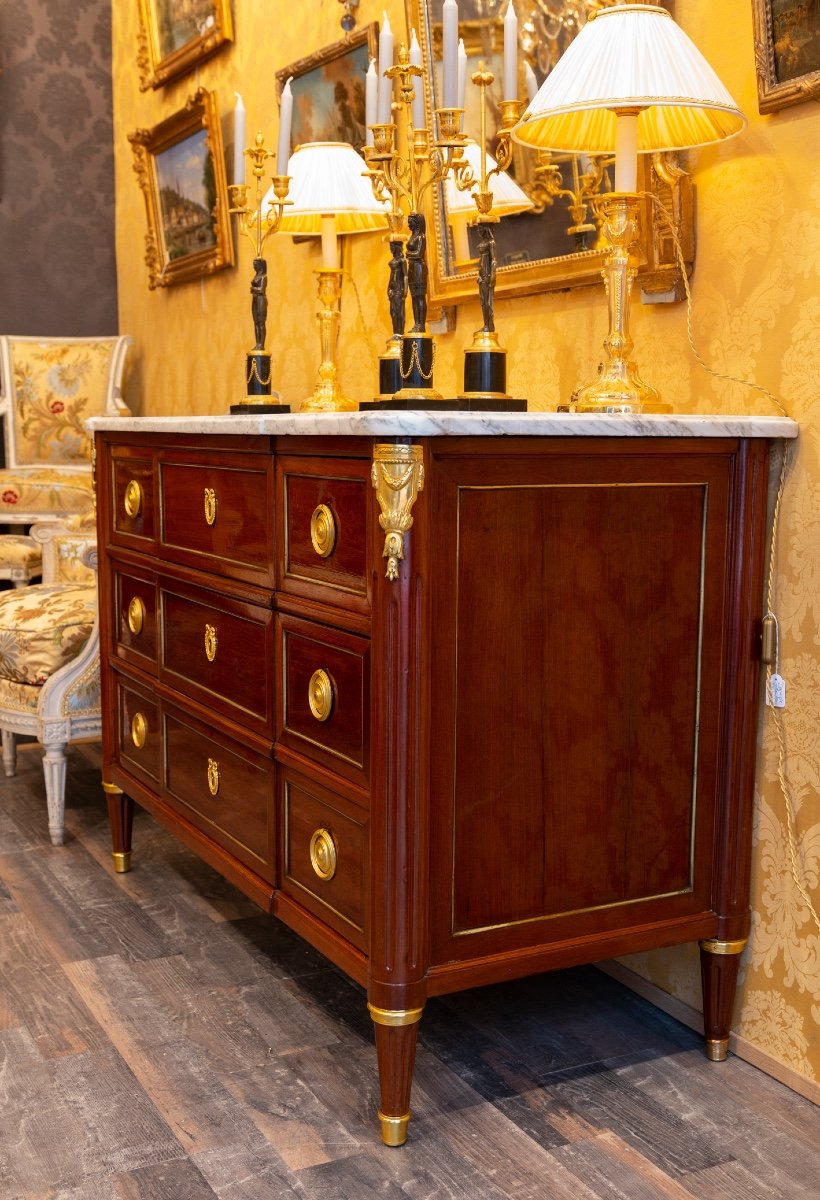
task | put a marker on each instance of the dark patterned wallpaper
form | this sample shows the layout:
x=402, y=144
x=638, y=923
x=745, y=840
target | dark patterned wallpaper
x=57, y=266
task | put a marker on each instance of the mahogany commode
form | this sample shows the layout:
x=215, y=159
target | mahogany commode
x=456, y=707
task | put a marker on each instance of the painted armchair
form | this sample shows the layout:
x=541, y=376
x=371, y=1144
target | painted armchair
x=49, y=656
x=48, y=389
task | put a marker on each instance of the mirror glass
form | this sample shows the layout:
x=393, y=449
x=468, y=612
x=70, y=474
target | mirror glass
x=558, y=242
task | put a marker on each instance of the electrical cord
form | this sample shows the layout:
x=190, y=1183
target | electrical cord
x=772, y=676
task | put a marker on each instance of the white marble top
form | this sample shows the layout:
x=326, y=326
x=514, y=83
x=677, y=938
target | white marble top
x=422, y=423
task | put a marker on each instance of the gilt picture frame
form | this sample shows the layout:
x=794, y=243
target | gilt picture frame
x=328, y=90
x=787, y=52
x=175, y=36
x=180, y=167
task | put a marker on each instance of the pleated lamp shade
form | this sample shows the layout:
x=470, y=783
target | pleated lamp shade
x=327, y=180
x=508, y=197
x=632, y=56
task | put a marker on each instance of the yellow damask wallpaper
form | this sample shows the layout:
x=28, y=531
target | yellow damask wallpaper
x=756, y=315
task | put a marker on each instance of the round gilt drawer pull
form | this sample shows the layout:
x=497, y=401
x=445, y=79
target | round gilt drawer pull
x=323, y=853
x=139, y=730
x=136, y=615
x=323, y=531
x=210, y=643
x=213, y=776
x=133, y=498
x=210, y=506
x=320, y=695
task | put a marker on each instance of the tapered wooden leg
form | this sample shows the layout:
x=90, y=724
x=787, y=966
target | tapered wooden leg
x=396, y=1031
x=121, y=820
x=719, y=963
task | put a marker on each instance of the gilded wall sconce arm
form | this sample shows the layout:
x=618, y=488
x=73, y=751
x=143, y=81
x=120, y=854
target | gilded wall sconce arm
x=397, y=475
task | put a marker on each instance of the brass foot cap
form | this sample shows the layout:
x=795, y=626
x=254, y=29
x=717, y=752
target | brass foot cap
x=394, y=1129
x=122, y=861
x=717, y=1049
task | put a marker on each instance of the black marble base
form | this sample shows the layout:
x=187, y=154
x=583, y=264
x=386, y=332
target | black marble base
x=258, y=373
x=254, y=407
x=448, y=404
x=390, y=380
x=416, y=364
x=485, y=372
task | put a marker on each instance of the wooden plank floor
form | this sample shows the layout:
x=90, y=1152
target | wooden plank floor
x=161, y=1039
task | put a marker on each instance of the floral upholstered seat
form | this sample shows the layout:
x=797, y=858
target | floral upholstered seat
x=49, y=387
x=49, y=656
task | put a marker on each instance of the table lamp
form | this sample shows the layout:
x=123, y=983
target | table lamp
x=630, y=83
x=485, y=361
x=330, y=196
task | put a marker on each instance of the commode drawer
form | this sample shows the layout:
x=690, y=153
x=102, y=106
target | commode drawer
x=139, y=734
x=220, y=517
x=325, y=856
x=135, y=618
x=133, y=519
x=325, y=516
x=222, y=788
x=326, y=695
x=218, y=651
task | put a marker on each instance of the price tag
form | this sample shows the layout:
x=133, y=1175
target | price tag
x=776, y=691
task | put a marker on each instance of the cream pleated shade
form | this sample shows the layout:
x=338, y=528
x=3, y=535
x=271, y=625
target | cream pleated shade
x=327, y=180
x=632, y=56
x=508, y=197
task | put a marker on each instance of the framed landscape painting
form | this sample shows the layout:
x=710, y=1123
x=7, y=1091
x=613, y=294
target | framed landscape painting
x=787, y=52
x=177, y=35
x=181, y=170
x=328, y=90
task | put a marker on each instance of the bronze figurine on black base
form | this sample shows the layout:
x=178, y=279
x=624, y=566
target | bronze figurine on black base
x=403, y=180
x=417, y=347
x=256, y=225
x=390, y=362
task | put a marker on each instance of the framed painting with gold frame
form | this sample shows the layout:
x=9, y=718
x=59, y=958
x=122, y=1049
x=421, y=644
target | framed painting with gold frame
x=536, y=250
x=787, y=52
x=328, y=90
x=181, y=170
x=177, y=35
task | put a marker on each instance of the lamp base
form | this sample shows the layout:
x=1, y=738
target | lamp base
x=619, y=389
x=327, y=395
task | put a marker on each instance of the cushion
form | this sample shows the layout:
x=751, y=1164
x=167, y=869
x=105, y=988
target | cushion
x=16, y=550
x=42, y=628
x=19, y=697
x=57, y=386
x=44, y=490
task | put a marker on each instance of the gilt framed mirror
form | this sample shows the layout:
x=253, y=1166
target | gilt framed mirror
x=558, y=243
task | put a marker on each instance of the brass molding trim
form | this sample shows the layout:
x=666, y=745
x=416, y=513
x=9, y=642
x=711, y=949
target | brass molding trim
x=397, y=474
x=717, y=1049
x=394, y=1129
x=139, y=729
x=213, y=776
x=210, y=642
x=716, y=946
x=323, y=531
x=136, y=615
x=323, y=855
x=320, y=694
x=210, y=506
x=122, y=861
x=395, y=1017
x=133, y=498
x=111, y=789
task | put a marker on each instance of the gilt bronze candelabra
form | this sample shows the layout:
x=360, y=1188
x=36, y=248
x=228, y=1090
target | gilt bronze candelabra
x=257, y=226
x=406, y=369
x=485, y=361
